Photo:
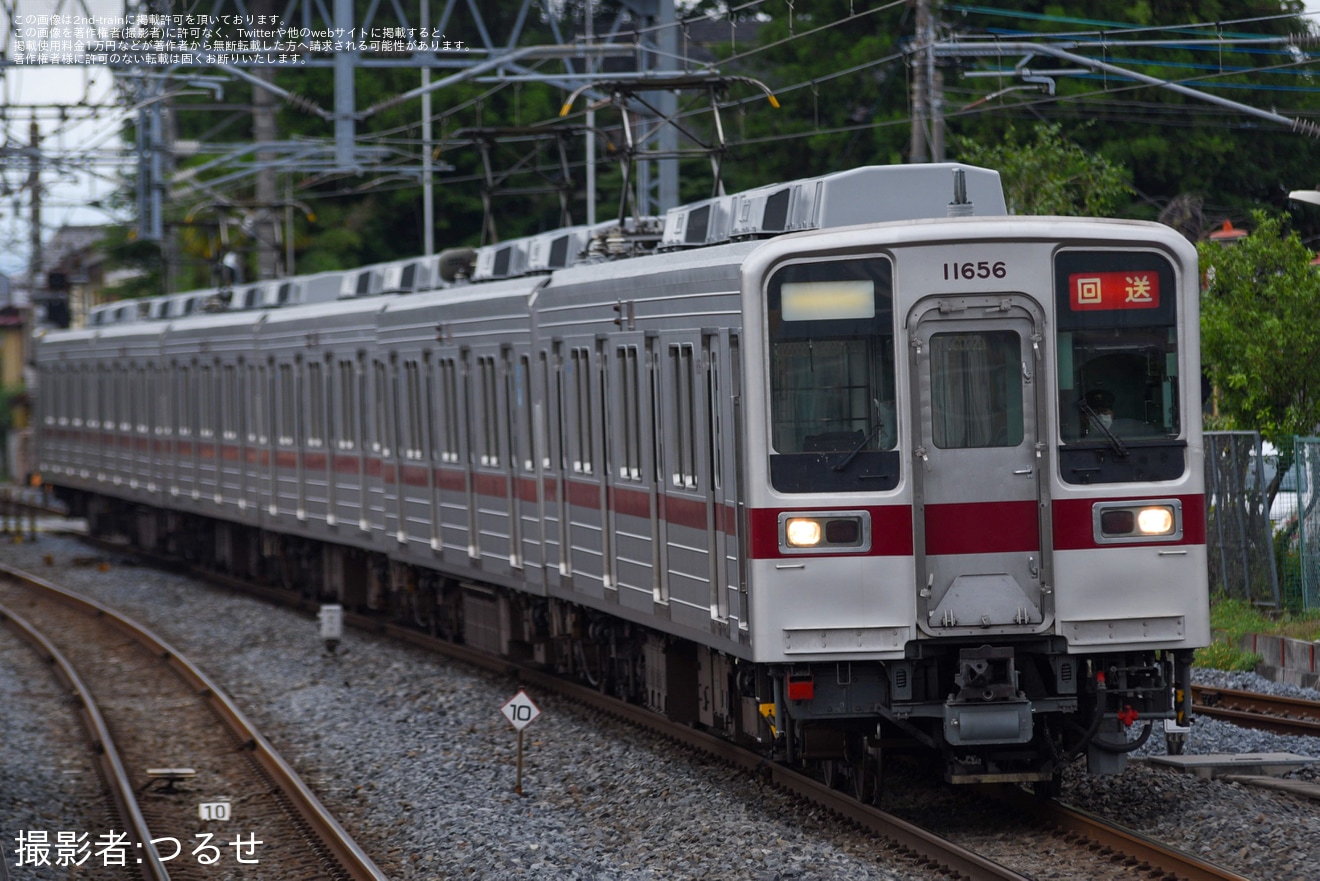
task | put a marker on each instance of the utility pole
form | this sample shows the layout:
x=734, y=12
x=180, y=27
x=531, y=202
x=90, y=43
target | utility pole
x=927, y=92
x=264, y=131
x=34, y=186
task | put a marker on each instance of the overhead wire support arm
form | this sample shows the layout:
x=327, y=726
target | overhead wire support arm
x=956, y=49
x=622, y=91
x=602, y=50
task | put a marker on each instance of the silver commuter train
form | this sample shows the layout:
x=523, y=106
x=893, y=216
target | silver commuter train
x=812, y=465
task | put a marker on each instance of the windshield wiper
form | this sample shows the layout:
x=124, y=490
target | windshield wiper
x=1093, y=418
x=852, y=454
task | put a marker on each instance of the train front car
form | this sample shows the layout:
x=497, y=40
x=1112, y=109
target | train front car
x=983, y=523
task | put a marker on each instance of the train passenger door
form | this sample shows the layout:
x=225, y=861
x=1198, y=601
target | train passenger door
x=980, y=489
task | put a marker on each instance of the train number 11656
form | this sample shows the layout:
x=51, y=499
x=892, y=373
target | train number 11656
x=981, y=269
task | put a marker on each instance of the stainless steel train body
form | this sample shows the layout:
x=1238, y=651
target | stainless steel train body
x=939, y=477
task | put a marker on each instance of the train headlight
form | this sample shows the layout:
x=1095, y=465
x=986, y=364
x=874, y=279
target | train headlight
x=1119, y=522
x=1155, y=521
x=802, y=533
x=825, y=532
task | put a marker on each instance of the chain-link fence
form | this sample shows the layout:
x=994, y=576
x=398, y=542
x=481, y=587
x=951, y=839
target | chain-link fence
x=1239, y=535
x=1297, y=535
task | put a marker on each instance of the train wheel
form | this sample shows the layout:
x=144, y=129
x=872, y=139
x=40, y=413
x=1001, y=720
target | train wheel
x=867, y=773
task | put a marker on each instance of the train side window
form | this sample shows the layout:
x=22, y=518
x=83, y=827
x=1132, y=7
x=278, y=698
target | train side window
x=630, y=403
x=448, y=407
x=186, y=395
x=286, y=398
x=583, y=433
x=379, y=441
x=346, y=415
x=141, y=399
x=229, y=402
x=488, y=427
x=164, y=404
x=87, y=389
x=412, y=381
x=315, y=404
x=713, y=421
x=205, y=401
x=520, y=415
x=684, y=465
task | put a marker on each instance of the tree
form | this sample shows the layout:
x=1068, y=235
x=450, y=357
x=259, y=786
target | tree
x=1050, y=174
x=1260, y=344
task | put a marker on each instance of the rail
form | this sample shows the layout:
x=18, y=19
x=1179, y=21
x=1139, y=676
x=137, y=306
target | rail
x=337, y=841
x=1267, y=712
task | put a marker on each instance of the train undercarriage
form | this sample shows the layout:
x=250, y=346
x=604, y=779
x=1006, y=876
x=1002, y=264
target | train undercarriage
x=1008, y=712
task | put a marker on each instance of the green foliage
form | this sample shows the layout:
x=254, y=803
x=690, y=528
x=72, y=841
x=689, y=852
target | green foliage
x=1049, y=174
x=1230, y=620
x=1222, y=656
x=1260, y=343
x=125, y=252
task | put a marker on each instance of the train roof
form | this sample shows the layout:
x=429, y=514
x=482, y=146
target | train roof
x=711, y=228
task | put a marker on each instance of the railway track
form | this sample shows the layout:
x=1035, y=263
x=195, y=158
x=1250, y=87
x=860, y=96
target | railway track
x=1144, y=855
x=191, y=794
x=1282, y=715
x=1129, y=854
x=1141, y=856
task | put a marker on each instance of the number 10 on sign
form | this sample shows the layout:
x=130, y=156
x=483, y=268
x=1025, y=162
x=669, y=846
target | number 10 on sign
x=521, y=712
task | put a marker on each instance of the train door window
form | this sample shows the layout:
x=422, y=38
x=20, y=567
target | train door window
x=164, y=402
x=126, y=386
x=488, y=434
x=830, y=331
x=684, y=389
x=412, y=382
x=976, y=389
x=346, y=414
x=229, y=402
x=379, y=442
x=186, y=395
x=630, y=404
x=258, y=394
x=87, y=390
x=713, y=421
x=285, y=398
x=583, y=430
x=362, y=423
x=205, y=401
x=142, y=404
x=449, y=412
x=123, y=380
x=520, y=415
x=315, y=404
x=430, y=450
x=71, y=395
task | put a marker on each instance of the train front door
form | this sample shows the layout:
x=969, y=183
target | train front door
x=979, y=481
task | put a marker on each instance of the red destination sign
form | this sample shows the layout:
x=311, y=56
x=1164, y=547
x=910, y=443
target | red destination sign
x=1114, y=290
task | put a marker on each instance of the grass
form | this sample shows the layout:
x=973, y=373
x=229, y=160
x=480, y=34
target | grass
x=1230, y=619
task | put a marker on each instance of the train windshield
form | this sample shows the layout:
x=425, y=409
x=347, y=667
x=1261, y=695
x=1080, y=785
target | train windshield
x=831, y=343
x=1117, y=348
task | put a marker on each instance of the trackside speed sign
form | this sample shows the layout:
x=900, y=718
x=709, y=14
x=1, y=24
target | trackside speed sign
x=520, y=711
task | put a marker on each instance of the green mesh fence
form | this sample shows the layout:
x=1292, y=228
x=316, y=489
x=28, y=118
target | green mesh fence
x=1298, y=538
x=1239, y=545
